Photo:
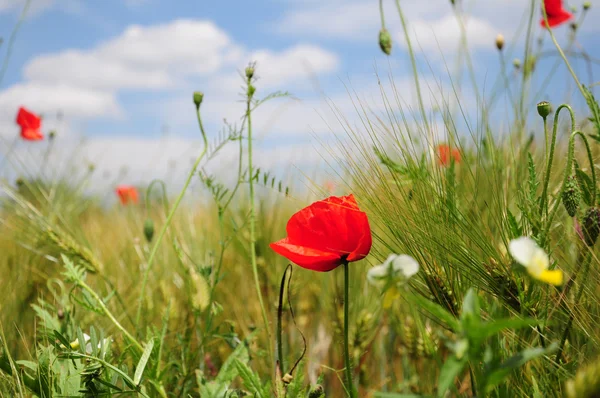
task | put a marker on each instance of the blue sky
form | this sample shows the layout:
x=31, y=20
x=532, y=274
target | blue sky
x=122, y=72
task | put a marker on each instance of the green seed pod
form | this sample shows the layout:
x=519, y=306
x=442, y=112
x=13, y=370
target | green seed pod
x=148, y=229
x=587, y=5
x=544, y=108
x=385, y=41
x=571, y=196
x=198, y=97
x=591, y=226
x=500, y=42
x=517, y=63
x=316, y=392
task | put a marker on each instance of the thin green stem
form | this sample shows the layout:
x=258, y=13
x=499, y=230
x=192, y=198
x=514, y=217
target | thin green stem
x=546, y=139
x=565, y=334
x=568, y=170
x=11, y=40
x=551, y=154
x=164, y=228
x=252, y=220
x=526, y=64
x=381, y=14
x=347, y=363
x=164, y=194
x=416, y=78
x=110, y=316
x=562, y=54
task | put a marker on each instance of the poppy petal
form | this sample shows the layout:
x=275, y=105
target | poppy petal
x=332, y=225
x=306, y=257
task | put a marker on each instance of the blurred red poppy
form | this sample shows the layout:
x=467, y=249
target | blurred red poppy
x=556, y=13
x=447, y=154
x=30, y=124
x=326, y=234
x=127, y=194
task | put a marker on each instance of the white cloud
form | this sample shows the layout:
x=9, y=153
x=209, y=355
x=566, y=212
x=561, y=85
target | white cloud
x=173, y=58
x=142, y=57
x=52, y=98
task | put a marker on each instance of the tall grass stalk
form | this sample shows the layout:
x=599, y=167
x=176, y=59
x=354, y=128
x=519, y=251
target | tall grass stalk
x=169, y=219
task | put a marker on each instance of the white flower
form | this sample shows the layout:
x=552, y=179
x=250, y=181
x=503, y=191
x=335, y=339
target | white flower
x=397, y=266
x=88, y=347
x=535, y=260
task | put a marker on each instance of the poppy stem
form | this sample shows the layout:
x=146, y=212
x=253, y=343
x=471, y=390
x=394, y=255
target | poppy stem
x=347, y=363
x=252, y=219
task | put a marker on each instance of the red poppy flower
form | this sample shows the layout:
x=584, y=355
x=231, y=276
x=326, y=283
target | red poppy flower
x=325, y=234
x=556, y=13
x=127, y=194
x=30, y=124
x=446, y=155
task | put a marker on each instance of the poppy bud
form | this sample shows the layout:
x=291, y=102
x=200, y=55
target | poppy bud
x=544, y=108
x=198, y=97
x=316, y=392
x=385, y=41
x=148, y=229
x=517, y=63
x=573, y=9
x=587, y=5
x=52, y=134
x=591, y=226
x=500, y=42
x=20, y=182
x=574, y=26
x=60, y=314
x=91, y=167
x=250, y=71
x=251, y=90
x=571, y=196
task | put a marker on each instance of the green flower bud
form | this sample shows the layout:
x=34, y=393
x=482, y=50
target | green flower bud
x=571, y=196
x=52, y=135
x=591, y=226
x=544, y=108
x=517, y=63
x=250, y=71
x=316, y=392
x=148, y=229
x=198, y=97
x=20, y=182
x=573, y=9
x=385, y=41
x=587, y=5
x=574, y=26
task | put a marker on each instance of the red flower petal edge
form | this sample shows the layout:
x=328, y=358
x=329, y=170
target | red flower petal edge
x=30, y=125
x=325, y=234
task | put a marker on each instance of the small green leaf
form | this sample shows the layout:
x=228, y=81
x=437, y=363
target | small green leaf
x=491, y=328
x=471, y=313
x=437, y=311
x=251, y=379
x=450, y=370
x=497, y=376
x=139, y=370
